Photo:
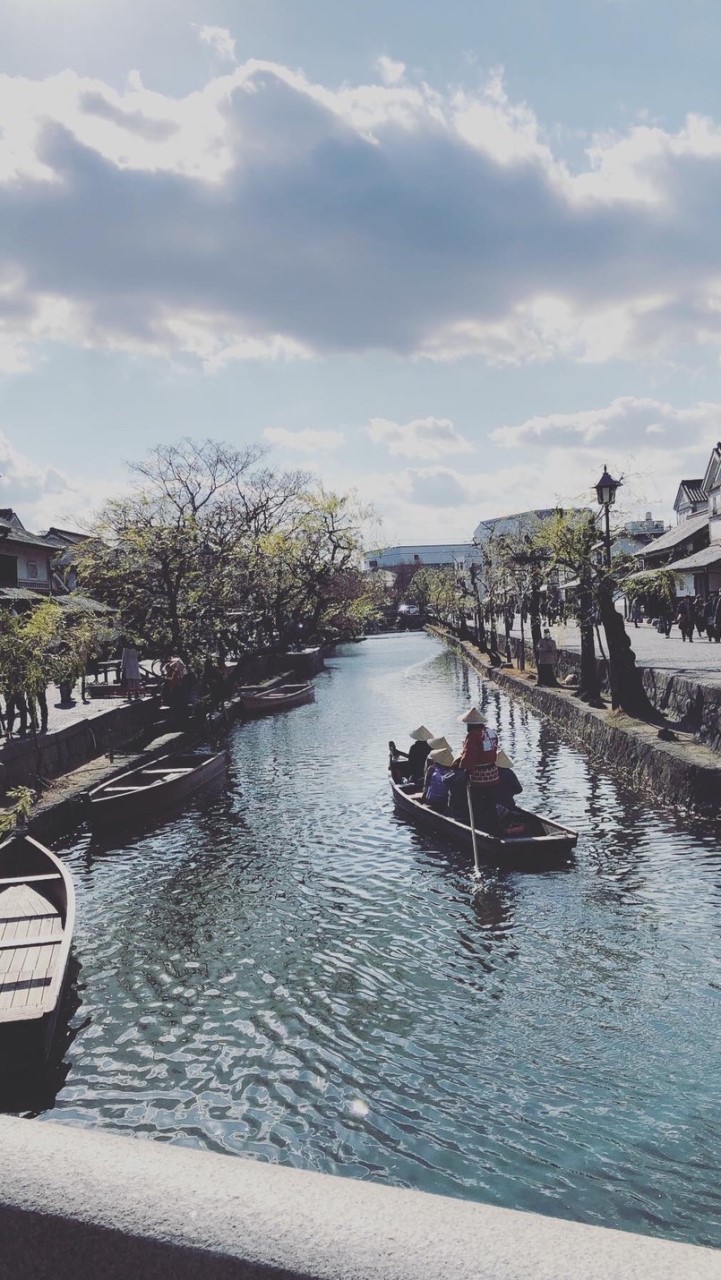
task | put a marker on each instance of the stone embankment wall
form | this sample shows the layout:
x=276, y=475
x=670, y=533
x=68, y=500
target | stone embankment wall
x=22, y=759
x=80, y=1205
x=684, y=772
x=695, y=705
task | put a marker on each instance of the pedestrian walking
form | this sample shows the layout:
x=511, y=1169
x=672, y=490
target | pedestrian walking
x=130, y=672
x=546, y=658
x=685, y=618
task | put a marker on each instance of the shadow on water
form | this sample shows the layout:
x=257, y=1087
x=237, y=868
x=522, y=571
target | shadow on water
x=32, y=1086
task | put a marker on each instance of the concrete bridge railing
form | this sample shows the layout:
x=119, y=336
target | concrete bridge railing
x=88, y=1205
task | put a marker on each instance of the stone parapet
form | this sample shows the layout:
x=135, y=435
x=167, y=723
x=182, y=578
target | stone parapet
x=86, y=1205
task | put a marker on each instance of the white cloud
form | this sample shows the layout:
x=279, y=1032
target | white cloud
x=390, y=70
x=266, y=216
x=220, y=41
x=307, y=441
x=431, y=438
x=42, y=496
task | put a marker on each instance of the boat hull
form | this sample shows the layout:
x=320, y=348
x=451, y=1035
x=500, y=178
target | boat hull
x=108, y=806
x=553, y=848
x=264, y=704
x=33, y=973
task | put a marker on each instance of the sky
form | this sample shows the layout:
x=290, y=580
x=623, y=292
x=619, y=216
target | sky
x=457, y=257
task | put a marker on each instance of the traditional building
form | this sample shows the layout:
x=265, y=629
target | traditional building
x=690, y=499
x=25, y=560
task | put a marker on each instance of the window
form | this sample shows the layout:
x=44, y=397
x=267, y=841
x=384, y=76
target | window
x=32, y=569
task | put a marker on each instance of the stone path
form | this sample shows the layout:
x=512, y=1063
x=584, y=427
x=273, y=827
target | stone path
x=699, y=660
x=60, y=717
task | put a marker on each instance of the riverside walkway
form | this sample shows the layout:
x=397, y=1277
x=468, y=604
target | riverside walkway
x=700, y=660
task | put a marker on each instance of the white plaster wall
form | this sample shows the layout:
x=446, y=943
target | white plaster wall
x=90, y=1206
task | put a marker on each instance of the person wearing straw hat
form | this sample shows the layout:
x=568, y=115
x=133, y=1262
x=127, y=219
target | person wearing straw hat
x=434, y=744
x=508, y=784
x=479, y=758
x=438, y=777
x=418, y=754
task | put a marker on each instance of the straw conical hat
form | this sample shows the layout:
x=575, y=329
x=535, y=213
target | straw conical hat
x=443, y=756
x=502, y=761
x=421, y=734
x=472, y=717
x=437, y=744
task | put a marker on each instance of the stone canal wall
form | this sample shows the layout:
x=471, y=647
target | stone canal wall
x=83, y=1205
x=695, y=705
x=22, y=760
x=685, y=772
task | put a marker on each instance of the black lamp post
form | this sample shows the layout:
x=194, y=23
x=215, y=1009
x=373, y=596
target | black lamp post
x=606, y=495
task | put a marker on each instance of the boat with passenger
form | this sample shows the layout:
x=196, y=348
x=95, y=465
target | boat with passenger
x=143, y=791
x=530, y=842
x=37, y=917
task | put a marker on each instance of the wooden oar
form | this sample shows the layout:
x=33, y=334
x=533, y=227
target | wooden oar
x=473, y=828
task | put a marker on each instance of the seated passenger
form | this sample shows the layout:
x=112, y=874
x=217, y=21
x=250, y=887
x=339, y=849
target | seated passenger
x=411, y=764
x=508, y=785
x=436, y=790
x=434, y=744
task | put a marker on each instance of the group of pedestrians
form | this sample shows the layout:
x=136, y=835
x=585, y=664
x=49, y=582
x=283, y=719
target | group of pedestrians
x=29, y=710
x=691, y=613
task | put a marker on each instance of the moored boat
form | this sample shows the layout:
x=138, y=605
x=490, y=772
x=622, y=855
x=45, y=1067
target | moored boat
x=143, y=791
x=37, y=917
x=282, y=697
x=540, y=841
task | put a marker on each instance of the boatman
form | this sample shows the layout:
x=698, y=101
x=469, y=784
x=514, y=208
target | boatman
x=479, y=758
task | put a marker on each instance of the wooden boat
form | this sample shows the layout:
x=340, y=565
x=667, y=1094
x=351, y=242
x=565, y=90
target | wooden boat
x=544, y=843
x=37, y=917
x=142, y=791
x=280, y=698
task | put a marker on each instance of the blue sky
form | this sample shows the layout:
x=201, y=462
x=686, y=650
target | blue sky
x=457, y=256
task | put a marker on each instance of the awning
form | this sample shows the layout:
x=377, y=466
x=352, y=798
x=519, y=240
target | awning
x=699, y=560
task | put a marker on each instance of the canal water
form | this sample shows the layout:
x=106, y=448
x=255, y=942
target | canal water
x=287, y=972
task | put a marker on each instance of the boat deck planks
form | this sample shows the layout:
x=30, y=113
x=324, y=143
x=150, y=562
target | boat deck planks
x=35, y=926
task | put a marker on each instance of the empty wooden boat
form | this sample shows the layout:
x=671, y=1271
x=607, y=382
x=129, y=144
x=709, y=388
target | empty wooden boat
x=280, y=698
x=542, y=842
x=37, y=917
x=142, y=791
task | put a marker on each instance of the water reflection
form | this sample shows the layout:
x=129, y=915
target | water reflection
x=286, y=971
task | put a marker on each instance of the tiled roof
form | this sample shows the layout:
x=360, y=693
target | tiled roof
x=19, y=593
x=699, y=559
x=75, y=603
x=680, y=533
x=25, y=539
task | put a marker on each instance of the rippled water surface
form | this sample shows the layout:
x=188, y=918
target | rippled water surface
x=288, y=972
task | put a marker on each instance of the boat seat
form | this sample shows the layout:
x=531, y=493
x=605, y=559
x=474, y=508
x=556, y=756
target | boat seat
x=122, y=790
x=166, y=773
x=43, y=940
x=53, y=875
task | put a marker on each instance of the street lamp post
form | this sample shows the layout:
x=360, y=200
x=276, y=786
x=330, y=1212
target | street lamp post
x=606, y=495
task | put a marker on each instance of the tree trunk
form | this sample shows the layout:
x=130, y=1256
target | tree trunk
x=534, y=611
x=627, y=691
x=590, y=688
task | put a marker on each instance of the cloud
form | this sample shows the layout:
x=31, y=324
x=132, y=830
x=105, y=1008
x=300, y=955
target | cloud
x=389, y=70
x=421, y=438
x=621, y=424
x=42, y=496
x=220, y=41
x=266, y=216
x=307, y=441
